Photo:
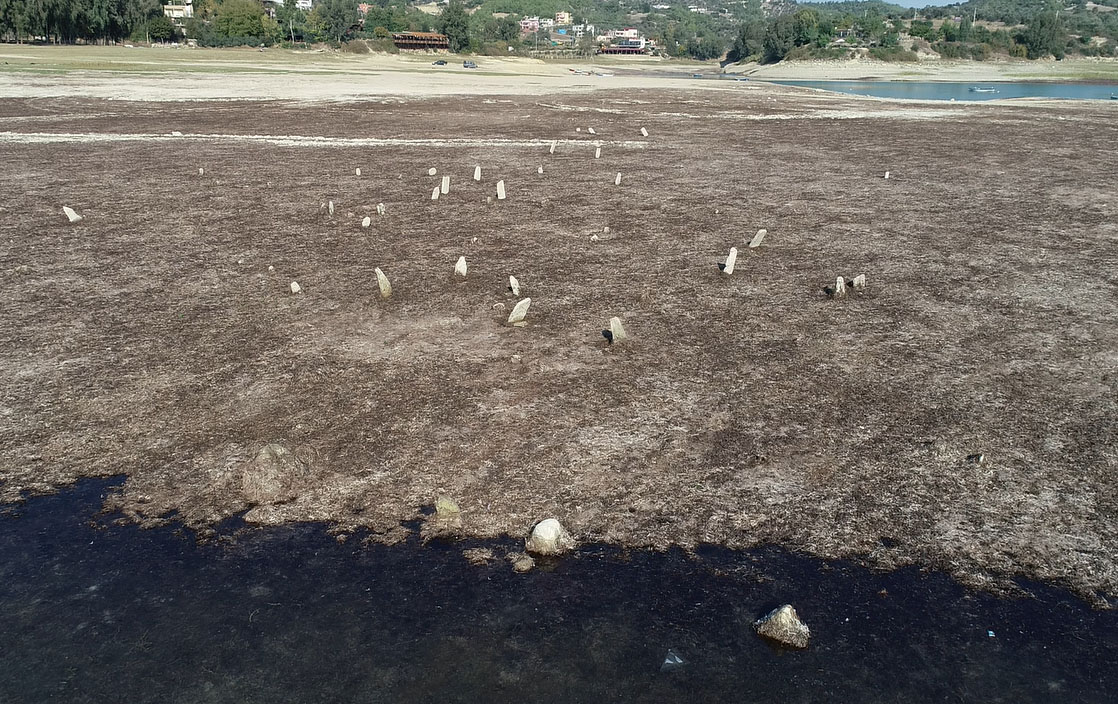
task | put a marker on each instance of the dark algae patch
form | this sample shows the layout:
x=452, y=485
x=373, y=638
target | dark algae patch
x=95, y=611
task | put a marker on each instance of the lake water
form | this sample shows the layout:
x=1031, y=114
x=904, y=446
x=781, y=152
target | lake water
x=914, y=90
x=96, y=612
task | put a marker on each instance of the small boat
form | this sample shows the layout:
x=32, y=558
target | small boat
x=1114, y=96
x=976, y=89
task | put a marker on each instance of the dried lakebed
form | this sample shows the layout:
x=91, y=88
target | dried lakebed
x=158, y=337
x=96, y=611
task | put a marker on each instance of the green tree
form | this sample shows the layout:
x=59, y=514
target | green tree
x=338, y=17
x=240, y=18
x=780, y=38
x=162, y=29
x=1044, y=35
x=455, y=24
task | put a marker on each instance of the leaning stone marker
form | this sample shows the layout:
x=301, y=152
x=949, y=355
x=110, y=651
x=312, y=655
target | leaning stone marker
x=366, y=221
x=295, y=287
x=477, y=173
x=552, y=150
x=784, y=627
x=435, y=193
x=514, y=286
x=519, y=312
x=591, y=130
x=644, y=132
x=598, y=153
x=548, y=537
x=383, y=284
x=758, y=238
x=731, y=260
x=460, y=267
x=500, y=190
x=71, y=214
x=445, y=187
x=859, y=282
x=617, y=181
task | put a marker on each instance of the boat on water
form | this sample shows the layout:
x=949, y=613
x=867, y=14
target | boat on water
x=1114, y=96
x=976, y=89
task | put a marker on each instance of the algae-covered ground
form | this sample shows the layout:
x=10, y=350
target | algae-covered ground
x=159, y=337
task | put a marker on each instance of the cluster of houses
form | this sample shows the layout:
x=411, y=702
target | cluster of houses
x=561, y=30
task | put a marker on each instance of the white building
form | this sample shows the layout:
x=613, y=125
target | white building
x=179, y=12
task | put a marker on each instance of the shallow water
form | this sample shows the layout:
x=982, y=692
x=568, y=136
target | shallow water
x=915, y=90
x=91, y=612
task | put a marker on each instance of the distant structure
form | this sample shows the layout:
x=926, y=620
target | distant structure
x=421, y=41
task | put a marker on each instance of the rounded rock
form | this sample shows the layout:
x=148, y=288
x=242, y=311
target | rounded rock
x=549, y=537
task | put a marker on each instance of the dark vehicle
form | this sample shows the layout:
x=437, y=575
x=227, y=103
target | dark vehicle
x=440, y=62
x=469, y=64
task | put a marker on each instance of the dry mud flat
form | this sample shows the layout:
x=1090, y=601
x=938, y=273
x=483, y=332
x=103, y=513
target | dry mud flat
x=158, y=337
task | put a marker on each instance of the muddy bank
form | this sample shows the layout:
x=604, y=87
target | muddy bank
x=159, y=337
x=93, y=612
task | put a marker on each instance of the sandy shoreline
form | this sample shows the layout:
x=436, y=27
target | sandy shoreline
x=163, y=74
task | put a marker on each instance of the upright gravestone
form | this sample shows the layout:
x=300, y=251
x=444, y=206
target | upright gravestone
x=514, y=286
x=617, y=181
x=295, y=287
x=357, y=171
x=380, y=209
x=366, y=221
x=500, y=190
x=445, y=187
x=840, y=287
x=598, y=153
x=539, y=170
x=617, y=329
x=460, y=267
x=435, y=193
x=477, y=173
x=731, y=260
x=859, y=282
x=330, y=208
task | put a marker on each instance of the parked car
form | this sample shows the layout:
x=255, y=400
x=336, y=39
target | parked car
x=468, y=64
x=440, y=62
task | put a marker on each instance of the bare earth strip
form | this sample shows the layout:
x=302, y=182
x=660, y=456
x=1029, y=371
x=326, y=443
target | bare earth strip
x=159, y=338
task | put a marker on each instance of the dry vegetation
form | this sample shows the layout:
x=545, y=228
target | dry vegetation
x=152, y=338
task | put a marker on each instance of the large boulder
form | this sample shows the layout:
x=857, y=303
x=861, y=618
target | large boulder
x=273, y=476
x=784, y=627
x=549, y=537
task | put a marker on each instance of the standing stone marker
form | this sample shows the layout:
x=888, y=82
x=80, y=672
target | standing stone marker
x=731, y=260
x=477, y=173
x=617, y=181
x=644, y=132
x=591, y=130
x=859, y=282
x=295, y=287
x=516, y=317
x=539, y=170
x=71, y=214
x=366, y=221
x=380, y=209
x=840, y=287
x=445, y=187
x=617, y=330
x=758, y=238
x=201, y=171
x=460, y=267
x=357, y=171
x=435, y=193
x=330, y=208
x=598, y=153
x=382, y=282
x=432, y=171
x=500, y=190
x=549, y=537
x=886, y=175
x=784, y=626
x=514, y=286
